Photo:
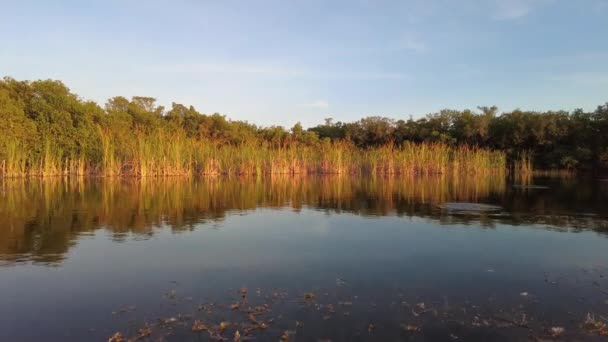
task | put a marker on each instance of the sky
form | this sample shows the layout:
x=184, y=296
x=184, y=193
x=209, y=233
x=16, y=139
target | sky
x=279, y=62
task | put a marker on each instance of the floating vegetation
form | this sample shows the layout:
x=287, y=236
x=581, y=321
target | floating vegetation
x=411, y=328
x=469, y=208
x=117, y=337
x=593, y=325
x=556, y=332
x=265, y=318
x=199, y=326
x=309, y=296
x=285, y=336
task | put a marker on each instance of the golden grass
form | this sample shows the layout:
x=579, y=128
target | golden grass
x=160, y=153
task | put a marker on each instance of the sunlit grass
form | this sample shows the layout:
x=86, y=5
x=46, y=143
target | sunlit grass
x=159, y=153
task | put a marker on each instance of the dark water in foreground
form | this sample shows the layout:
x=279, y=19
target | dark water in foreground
x=321, y=258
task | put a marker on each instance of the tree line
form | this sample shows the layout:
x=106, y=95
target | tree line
x=44, y=125
x=553, y=139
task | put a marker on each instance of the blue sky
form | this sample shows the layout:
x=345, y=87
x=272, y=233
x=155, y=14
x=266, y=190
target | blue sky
x=283, y=61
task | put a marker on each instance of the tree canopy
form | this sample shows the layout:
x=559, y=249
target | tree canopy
x=38, y=116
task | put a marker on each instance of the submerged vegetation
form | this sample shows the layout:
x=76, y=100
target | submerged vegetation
x=271, y=313
x=49, y=131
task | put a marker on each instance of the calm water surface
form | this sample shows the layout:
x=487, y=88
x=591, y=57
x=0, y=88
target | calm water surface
x=320, y=258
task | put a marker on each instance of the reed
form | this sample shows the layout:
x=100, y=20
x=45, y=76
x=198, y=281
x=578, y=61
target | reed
x=162, y=153
x=523, y=165
x=109, y=164
x=15, y=164
x=50, y=162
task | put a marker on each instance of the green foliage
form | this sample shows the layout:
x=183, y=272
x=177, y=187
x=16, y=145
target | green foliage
x=47, y=130
x=548, y=140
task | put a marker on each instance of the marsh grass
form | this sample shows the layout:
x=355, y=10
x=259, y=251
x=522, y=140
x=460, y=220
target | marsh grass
x=161, y=153
x=16, y=162
x=523, y=165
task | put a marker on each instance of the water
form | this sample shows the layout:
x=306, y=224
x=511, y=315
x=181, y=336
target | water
x=333, y=258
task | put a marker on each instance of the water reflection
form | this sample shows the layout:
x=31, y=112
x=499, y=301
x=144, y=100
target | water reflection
x=41, y=219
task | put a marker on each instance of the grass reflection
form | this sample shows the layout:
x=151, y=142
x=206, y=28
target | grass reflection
x=41, y=219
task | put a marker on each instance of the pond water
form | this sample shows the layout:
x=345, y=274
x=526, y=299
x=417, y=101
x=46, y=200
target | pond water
x=304, y=259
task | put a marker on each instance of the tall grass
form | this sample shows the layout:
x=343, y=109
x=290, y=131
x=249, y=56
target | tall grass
x=523, y=165
x=15, y=163
x=109, y=164
x=160, y=153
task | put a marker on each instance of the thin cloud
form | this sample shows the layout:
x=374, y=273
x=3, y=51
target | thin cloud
x=271, y=71
x=225, y=68
x=411, y=42
x=583, y=78
x=572, y=59
x=516, y=9
x=321, y=104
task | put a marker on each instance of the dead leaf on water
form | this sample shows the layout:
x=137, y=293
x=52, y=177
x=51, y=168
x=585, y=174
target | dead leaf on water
x=556, y=331
x=237, y=336
x=595, y=326
x=309, y=296
x=117, y=337
x=224, y=325
x=169, y=320
x=410, y=328
x=143, y=333
x=234, y=307
x=258, y=310
x=199, y=326
x=216, y=337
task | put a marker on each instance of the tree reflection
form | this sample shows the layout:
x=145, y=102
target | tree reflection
x=41, y=219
